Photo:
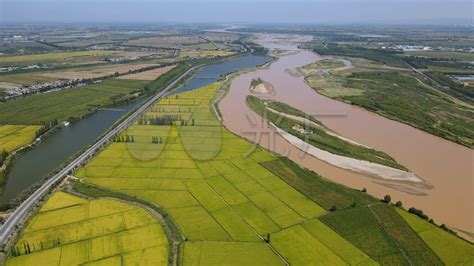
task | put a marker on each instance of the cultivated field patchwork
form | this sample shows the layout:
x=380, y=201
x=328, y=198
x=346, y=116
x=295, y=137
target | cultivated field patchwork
x=61, y=105
x=234, y=203
x=451, y=249
x=70, y=230
x=182, y=159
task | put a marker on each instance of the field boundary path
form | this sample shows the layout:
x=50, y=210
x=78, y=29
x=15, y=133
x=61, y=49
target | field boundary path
x=21, y=211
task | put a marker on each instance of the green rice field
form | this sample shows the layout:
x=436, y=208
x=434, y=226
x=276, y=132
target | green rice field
x=451, y=249
x=61, y=105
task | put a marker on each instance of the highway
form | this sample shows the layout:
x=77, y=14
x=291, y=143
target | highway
x=22, y=210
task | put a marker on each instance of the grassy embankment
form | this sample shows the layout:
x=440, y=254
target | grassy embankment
x=383, y=90
x=317, y=136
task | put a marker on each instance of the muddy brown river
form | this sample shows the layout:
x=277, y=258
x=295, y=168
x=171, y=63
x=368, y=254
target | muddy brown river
x=447, y=166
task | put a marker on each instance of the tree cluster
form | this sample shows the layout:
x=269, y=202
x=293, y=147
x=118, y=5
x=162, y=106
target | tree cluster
x=126, y=138
x=156, y=140
x=45, y=127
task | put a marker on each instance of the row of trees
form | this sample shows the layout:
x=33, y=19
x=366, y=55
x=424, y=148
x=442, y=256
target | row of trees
x=180, y=109
x=164, y=120
x=27, y=249
x=156, y=140
x=45, y=127
x=3, y=156
x=126, y=138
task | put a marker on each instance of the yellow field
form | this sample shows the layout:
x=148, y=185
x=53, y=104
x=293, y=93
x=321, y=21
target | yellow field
x=69, y=230
x=13, y=137
x=223, y=202
x=19, y=59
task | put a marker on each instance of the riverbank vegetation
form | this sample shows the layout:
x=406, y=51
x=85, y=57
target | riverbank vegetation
x=318, y=136
x=382, y=90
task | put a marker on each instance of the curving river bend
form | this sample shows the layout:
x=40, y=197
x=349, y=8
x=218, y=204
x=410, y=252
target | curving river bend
x=447, y=166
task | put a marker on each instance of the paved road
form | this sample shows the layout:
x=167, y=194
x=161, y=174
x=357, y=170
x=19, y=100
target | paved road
x=24, y=207
x=437, y=84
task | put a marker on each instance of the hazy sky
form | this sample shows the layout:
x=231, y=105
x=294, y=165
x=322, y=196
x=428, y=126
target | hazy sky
x=251, y=11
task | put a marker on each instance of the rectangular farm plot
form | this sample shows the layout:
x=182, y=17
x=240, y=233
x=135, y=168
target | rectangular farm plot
x=228, y=253
x=256, y=218
x=336, y=243
x=228, y=192
x=197, y=224
x=451, y=249
x=139, y=183
x=299, y=247
x=234, y=225
x=205, y=195
x=361, y=228
x=166, y=198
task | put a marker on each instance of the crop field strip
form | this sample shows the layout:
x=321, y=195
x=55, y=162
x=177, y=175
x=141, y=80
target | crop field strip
x=13, y=137
x=451, y=249
x=61, y=105
x=25, y=78
x=224, y=204
x=70, y=230
x=48, y=57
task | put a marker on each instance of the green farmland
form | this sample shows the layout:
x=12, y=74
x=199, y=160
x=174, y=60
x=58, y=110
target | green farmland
x=61, y=105
x=69, y=230
x=382, y=234
x=22, y=60
x=232, y=209
x=197, y=173
x=451, y=249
